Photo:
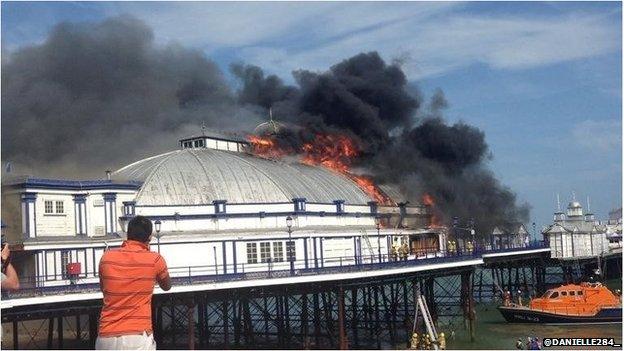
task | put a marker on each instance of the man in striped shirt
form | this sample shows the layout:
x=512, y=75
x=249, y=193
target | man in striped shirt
x=127, y=277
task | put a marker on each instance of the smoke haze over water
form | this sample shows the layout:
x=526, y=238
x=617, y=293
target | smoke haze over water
x=100, y=95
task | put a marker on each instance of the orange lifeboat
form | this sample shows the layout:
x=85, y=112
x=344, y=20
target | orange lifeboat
x=571, y=303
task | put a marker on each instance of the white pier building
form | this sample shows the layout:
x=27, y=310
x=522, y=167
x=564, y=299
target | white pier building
x=575, y=234
x=218, y=208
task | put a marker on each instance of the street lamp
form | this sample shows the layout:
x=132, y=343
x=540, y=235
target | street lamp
x=157, y=225
x=289, y=221
x=472, y=233
x=378, y=225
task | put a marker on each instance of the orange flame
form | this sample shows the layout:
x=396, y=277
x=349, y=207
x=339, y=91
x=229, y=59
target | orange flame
x=336, y=152
x=434, y=221
x=333, y=151
x=266, y=147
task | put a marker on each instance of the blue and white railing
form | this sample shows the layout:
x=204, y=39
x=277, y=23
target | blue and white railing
x=189, y=275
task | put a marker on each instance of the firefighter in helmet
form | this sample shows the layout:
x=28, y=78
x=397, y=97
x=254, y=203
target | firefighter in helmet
x=404, y=251
x=414, y=341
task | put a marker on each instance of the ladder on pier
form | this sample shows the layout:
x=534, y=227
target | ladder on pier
x=368, y=244
x=429, y=325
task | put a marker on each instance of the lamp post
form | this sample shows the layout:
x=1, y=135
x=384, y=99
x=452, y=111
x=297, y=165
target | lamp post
x=378, y=225
x=473, y=234
x=157, y=225
x=289, y=221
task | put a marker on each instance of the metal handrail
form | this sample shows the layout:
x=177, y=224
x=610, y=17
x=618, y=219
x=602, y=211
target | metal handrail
x=185, y=275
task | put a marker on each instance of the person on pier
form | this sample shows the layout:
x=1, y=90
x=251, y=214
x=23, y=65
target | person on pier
x=127, y=277
x=10, y=280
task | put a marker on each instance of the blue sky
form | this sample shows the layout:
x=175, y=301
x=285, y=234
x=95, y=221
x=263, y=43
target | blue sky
x=542, y=79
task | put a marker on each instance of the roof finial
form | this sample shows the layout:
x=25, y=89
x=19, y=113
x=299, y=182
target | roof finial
x=588, y=208
x=573, y=196
x=203, y=128
x=269, y=127
x=558, y=203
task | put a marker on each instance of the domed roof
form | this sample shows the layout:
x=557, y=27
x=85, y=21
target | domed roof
x=200, y=176
x=574, y=204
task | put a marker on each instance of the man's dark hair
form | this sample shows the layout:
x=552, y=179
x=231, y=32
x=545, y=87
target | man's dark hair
x=139, y=229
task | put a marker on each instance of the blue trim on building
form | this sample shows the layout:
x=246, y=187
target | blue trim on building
x=305, y=251
x=109, y=196
x=373, y=205
x=339, y=206
x=80, y=198
x=77, y=184
x=29, y=197
x=234, y=260
x=79, y=229
x=224, y=250
x=26, y=207
x=315, y=254
x=250, y=215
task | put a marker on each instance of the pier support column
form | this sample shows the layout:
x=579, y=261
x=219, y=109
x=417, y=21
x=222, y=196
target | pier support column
x=468, y=303
x=51, y=333
x=344, y=345
x=15, y=336
x=190, y=316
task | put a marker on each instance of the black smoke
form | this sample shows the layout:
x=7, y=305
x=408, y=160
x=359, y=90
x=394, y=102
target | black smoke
x=406, y=142
x=94, y=96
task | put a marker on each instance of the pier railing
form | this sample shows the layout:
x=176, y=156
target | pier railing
x=34, y=286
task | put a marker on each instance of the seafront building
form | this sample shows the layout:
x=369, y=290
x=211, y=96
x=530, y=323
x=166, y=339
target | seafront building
x=218, y=209
x=575, y=234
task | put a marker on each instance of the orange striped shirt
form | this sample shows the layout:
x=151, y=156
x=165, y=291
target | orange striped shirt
x=127, y=278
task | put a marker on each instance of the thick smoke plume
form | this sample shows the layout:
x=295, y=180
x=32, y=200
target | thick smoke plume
x=97, y=96
x=405, y=142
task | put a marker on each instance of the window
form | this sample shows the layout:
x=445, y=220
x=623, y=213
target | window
x=64, y=262
x=219, y=206
x=59, y=207
x=199, y=143
x=291, y=254
x=278, y=252
x=265, y=252
x=339, y=206
x=580, y=292
x=564, y=293
x=252, y=253
x=554, y=295
x=300, y=204
x=48, y=207
x=572, y=293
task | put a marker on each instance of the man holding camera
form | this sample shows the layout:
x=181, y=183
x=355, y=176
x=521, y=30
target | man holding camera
x=127, y=277
x=10, y=280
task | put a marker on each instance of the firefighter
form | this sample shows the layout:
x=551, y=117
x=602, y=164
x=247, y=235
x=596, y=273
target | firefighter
x=427, y=342
x=442, y=341
x=507, y=298
x=404, y=251
x=414, y=342
x=394, y=252
x=469, y=247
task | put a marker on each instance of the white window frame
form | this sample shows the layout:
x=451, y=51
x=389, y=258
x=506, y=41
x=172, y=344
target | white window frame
x=252, y=255
x=278, y=251
x=50, y=208
x=265, y=255
x=56, y=207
